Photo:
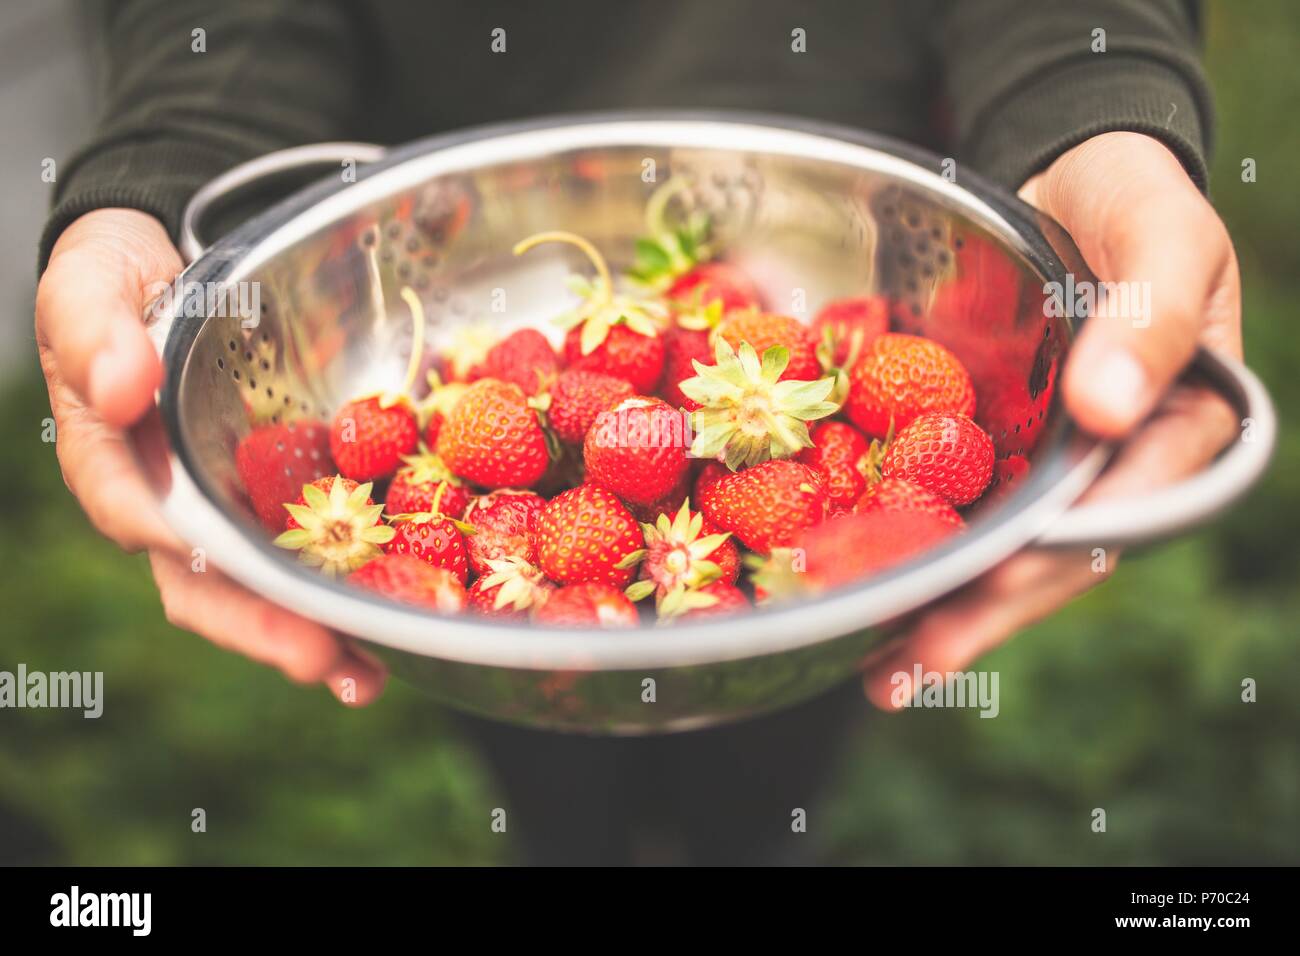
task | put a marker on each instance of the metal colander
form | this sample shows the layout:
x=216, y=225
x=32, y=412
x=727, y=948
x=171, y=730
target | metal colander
x=810, y=212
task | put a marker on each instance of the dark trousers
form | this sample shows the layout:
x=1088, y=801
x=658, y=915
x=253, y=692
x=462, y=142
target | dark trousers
x=721, y=796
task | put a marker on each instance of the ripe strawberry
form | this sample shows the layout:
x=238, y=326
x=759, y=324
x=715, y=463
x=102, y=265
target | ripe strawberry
x=845, y=327
x=275, y=461
x=637, y=449
x=836, y=449
x=895, y=494
x=326, y=485
x=767, y=505
x=523, y=357
x=665, y=505
x=493, y=437
x=747, y=413
x=948, y=455
x=508, y=589
x=682, y=349
x=586, y=534
x=505, y=527
x=681, y=554
x=418, y=482
x=577, y=397
x=433, y=538
x=368, y=438
x=763, y=330
x=718, y=598
x=903, y=376
x=337, y=527
x=587, y=604
x=713, y=281
x=636, y=357
x=711, y=472
x=437, y=405
x=411, y=581
x=860, y=545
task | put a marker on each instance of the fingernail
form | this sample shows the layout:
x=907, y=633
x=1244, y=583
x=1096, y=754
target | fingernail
x=1119, y=387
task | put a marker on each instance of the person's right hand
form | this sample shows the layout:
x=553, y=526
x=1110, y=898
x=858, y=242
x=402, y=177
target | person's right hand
x=102, y=372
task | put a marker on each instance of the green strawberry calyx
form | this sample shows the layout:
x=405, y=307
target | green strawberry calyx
x=669, y=251
x=677, y=555
x=748, y=414
x=601, y=309
x=337, y=532
x=518, y=583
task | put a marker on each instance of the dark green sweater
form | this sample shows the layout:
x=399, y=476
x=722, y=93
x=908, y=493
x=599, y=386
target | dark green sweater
x=1005, y=85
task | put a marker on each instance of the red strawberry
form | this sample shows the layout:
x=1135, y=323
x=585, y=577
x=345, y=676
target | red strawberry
x=411, y=581
x=336, y=527
x=763, y=330
x=586, y=534
x=767, y=505
x=637, y=449
x=508, y=589
x=845, y=327
x=895, y=494
x=434, y=539
x=577, y=397
x=722, y=599
x=948, y=455
x=524, y=357
x=711, y=472
x=417, y=483
x=437, y=405
x=683, y=554
x=666, y=505
x=588, y=604
x=710, y=281
x=493, y=438
x=834, y=455
x=903, y=376
x=860, y=545
x=682, y=349
x=636, y=357
x=275, y=461
x=369, y=438
x=505, y=526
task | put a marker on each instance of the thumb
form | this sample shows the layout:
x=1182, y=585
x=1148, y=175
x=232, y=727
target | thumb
x=90, y=307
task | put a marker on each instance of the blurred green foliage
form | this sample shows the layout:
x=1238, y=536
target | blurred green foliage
x=1127, y=700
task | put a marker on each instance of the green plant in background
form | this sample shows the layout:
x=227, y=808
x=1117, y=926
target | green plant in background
x=1128, y=700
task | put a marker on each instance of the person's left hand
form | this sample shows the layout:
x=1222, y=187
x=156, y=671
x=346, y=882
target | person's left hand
x=1136, y=217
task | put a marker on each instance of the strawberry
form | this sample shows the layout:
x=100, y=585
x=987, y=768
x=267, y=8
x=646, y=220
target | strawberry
x=902, y=376
x=419, y=481
x=860, y=545
x=523, y=357
x=433, y=538
x=680, y=555
x=275, y=461
x=368, y=438
x=505, y=527
x=587, y=604
x=764, y=330
x=493, y=437
x=326, y=485
x=845, y=327
x=948, y=455
x=337, y=530
x=665, y=505
x=708, y=282
x=508, y=588
x=637, y=357
x=437, y=405
x=748, y=413
x=836, y=449
x=614, y=334
x=895, y=494
x=577, y=397
x=682, y=349
x=711, y=472
x=586, y=534
x=718, y=598
x=766, y=506
x=411, y=581
x=637, y=449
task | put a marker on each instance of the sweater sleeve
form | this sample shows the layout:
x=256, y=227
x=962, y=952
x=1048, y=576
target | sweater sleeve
x=1026, y=80
x=178, y=106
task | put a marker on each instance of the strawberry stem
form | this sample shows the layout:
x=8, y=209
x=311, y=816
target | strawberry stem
x=606, y=292
x=657, y=205
x=417, y=344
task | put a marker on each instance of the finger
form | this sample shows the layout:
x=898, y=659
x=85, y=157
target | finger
x=89, y=308
x=208, y=604
x=1145, y=230
x=358, y=679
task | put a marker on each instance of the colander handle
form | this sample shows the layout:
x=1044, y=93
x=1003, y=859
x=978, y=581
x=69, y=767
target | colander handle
x=240, y=178
x=1192, y=501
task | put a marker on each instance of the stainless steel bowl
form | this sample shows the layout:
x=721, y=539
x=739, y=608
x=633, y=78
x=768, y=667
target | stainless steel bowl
x=811, y=211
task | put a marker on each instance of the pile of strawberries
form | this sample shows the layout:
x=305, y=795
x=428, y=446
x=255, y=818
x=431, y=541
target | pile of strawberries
x=683, y=453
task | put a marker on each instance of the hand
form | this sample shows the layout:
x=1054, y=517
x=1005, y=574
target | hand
x=102, y=372
x=1136, y=217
